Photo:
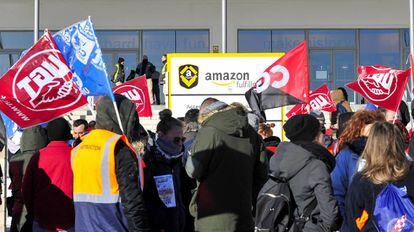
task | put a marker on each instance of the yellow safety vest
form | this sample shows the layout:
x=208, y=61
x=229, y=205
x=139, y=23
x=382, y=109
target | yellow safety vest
x=93, y=165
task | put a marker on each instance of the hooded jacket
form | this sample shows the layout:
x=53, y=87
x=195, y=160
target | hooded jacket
x=228, y=160
x=307, y=168
x=33, y=139
x=132, y=213
x=345, y=169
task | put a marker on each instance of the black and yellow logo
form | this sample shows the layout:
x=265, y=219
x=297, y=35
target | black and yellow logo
x=188, y=76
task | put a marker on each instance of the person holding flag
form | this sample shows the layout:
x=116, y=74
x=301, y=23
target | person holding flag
x=107, y=156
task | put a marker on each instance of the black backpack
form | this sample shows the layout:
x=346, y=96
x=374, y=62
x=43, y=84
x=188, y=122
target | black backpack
x=275, y=208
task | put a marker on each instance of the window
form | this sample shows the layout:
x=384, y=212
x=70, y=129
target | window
x=192, y=41
x=285, y=40
x=158, y=42
x=331, y=38
x=380, y=47
x=16, y=39
x=254, y=41
x=118, y=39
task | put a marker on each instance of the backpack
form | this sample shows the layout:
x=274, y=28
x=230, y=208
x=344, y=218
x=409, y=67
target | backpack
x=275, y=208
x=394, y=211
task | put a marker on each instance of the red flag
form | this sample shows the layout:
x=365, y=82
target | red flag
x=320, y=99
x=296, y=110
x=39, y=87
x=136, y=90
x=285, y=82
x=381, y=85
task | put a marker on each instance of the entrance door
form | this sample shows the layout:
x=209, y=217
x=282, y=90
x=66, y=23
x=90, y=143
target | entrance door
x=332, y=67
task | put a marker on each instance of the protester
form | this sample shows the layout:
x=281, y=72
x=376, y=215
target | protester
x=403, y=113
x=270, y=142
x=229, y=162
x=395, y=118
x=351, y=145
x=91, y=125
x=146, y=68
x=119, y=76
x=165, y=113
x=385, y=162
x=343, y=120
x=163, y=167
x=105, y=156
x=191, y=126
x=33, y=139
x=48, y=182
x=307, y=164
x=80, y=128
x=328, y=141
x=340, y=98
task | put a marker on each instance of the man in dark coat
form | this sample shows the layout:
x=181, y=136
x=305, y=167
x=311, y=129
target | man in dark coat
x=33, y=139
x=307, y=165
x=228, y=160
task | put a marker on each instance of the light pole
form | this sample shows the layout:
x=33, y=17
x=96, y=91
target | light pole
x=36, y=21
x=224, y=25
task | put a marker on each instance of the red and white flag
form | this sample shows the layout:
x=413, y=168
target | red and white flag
x=285, y=82
x=381, y=85
x=297, y=109
x=39, y=86
x=136, y=90
x=320, y=100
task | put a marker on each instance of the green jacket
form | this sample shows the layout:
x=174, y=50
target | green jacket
x=228, y=160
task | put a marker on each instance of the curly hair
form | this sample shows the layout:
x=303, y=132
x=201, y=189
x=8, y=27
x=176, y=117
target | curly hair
x=265, y=130
x=356, y=124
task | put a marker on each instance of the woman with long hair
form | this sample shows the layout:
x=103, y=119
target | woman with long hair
x=385, y=162
x=351, y=143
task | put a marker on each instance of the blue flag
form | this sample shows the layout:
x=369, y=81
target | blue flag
x=80, y=48
x=11, y=127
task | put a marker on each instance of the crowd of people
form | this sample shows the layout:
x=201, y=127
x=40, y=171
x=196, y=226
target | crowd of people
x=205, y=171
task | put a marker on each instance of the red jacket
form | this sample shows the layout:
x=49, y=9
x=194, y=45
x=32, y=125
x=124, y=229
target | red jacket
x=47, y=187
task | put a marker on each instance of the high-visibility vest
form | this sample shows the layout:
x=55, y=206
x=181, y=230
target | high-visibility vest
x=93, y=165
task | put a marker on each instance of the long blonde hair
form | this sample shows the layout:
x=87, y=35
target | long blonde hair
x=384, y=154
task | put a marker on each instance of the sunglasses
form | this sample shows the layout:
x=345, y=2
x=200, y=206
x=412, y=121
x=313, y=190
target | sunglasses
x=179, y=140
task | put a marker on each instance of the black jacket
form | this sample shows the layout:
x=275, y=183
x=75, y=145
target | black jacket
x=148, y=70
x=362, y=195
x=126, y=162
x=307, y=167
x=159, y=163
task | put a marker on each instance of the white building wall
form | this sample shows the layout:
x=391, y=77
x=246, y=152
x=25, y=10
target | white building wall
x=206, y=14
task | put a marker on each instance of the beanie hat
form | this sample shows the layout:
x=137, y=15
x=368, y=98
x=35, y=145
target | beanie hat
x=303, y=127
x=58, y=130
x=120, y=60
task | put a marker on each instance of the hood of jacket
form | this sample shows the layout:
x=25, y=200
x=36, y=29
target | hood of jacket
x=290, y=158
x=357, y=145
x=231, y=120
x=33, y=139
x=106, y=118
